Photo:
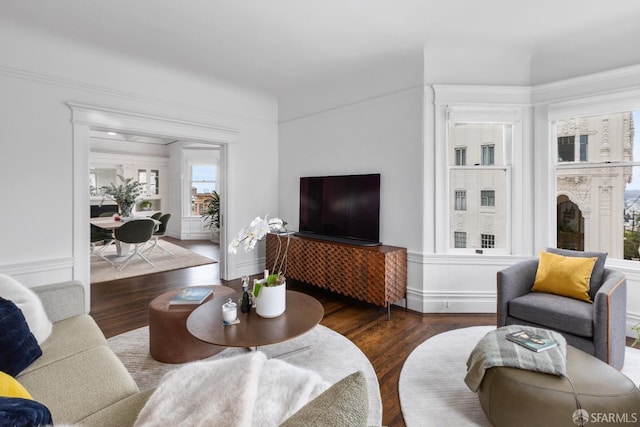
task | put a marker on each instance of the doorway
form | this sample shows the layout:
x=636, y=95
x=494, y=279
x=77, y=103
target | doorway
x=86, y=119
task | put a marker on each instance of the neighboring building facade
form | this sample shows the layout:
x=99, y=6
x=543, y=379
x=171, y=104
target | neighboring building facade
x=590, y=200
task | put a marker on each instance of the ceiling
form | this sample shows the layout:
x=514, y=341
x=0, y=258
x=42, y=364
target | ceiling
x=278, y=46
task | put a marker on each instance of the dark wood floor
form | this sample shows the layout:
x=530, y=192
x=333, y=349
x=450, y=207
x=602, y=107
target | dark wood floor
x=121, y=305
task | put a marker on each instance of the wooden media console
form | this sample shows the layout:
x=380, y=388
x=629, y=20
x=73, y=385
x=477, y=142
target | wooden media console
x=374, y=274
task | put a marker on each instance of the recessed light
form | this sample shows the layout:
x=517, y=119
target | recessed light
x=111, y=133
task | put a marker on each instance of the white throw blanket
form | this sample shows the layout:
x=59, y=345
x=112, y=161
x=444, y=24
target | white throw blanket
x=246, y=390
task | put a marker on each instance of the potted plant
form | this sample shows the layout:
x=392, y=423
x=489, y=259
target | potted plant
x=125, y=195
x=637, y=329
x=211, y=215
x=270, y=292
x=145, y=205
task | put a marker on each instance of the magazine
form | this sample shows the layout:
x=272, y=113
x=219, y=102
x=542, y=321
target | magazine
x=532, y=341
x=191, y=296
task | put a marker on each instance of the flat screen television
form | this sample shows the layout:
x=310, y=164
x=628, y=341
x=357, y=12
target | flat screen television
x=343, y=208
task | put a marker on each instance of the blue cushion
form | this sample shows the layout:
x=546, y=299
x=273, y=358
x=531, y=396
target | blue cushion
x=18, y=346
x=15, y=411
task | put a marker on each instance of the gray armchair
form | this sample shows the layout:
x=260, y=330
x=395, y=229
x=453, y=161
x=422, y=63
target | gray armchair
x=597, y=329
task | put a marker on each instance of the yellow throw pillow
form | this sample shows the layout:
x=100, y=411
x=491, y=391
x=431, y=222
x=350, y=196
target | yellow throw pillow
x=562, y=275
x=10, y=387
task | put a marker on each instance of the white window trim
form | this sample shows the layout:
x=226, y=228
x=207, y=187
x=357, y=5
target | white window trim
x=546, y=158
x=506, y=105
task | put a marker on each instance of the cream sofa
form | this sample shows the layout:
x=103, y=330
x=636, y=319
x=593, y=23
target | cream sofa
x=82, y=382
x=78, y=377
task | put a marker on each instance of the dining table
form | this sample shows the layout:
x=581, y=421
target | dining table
x=110, y=224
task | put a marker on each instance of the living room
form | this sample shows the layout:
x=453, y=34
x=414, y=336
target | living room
x=386, y=113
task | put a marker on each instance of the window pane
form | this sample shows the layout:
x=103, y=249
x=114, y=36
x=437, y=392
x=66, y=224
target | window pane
x=597, y=208
x=477, y=219
x=460, y=239
x=487, y=198
x=487, y=155
x=203, y=183
x=483, y=143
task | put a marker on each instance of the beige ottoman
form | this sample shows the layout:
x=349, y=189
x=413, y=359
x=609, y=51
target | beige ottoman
x=169, y=340
x=515, y=397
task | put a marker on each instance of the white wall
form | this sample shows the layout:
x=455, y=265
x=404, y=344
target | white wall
x=381, y=135
x=38, y=76
x=356, y=137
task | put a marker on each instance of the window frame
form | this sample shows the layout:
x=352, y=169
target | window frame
x=558, y=108
x=483, y=104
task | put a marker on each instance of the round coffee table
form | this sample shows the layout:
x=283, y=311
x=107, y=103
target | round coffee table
x=169, y=341
x=302, y=314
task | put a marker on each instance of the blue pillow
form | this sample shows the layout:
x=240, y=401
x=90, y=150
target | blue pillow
x=18, y=347
x=15, y=411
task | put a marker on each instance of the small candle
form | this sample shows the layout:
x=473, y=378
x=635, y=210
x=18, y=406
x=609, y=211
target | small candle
x=229, y=312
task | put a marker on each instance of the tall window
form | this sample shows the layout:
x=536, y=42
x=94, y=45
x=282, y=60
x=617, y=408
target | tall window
x=203, y=184
x=461, y=156
x=484, y=178
x=598, y=184
x=461, y=200
x=487, y=198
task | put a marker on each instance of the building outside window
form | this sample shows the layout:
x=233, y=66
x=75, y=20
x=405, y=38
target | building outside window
x=598, y=185
x=485, y=184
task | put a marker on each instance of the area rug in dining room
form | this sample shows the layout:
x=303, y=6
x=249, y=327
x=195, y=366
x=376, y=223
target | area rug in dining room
x=102, y=271
x=322, y=350
x=432, y=389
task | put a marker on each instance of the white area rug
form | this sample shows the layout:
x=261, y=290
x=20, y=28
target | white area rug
x=330, y=354
x=102, y=271
x=432, y=389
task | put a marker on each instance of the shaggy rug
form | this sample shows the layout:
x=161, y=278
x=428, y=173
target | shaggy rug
x=329, y=354
x=432, y=389
x=102, y=271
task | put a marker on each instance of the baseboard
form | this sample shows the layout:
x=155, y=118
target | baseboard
x=451, y=302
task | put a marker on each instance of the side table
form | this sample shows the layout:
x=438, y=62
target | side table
x=169, y=340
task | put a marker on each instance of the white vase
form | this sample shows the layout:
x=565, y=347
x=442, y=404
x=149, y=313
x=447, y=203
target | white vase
x=271, y=300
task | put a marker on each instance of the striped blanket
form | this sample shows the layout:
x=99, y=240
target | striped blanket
x=495, y=350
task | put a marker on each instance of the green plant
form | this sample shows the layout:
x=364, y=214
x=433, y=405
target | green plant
x=257, y=230
x=125, y=195
x=211, y=215
x=145, y=204
x=637, y=329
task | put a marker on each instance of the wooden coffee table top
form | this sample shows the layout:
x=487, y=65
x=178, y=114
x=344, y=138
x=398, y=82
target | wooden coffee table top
x=301, y=315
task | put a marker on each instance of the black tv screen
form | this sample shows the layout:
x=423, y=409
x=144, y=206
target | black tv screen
x=342, y=208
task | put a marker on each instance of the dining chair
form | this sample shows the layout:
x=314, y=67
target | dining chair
x=159, y=233
x=136, y=232
x=156, y=215
x=100, y=236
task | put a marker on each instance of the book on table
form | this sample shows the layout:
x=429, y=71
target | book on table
x=532, y=341
x=191, y=296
